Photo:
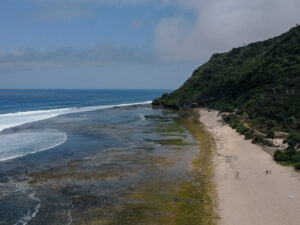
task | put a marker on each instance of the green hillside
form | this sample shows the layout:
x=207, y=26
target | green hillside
x=258, y=83
x=261, y=79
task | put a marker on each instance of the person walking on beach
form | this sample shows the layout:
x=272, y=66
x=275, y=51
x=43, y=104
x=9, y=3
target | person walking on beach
x=268, y=171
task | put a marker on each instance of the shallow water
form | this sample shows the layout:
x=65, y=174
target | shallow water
x=105, y=172
x=24, y=143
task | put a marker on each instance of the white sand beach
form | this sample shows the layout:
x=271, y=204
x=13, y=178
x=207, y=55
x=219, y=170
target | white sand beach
x=254, y=197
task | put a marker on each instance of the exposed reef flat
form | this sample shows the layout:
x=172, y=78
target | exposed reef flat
x=160, y=171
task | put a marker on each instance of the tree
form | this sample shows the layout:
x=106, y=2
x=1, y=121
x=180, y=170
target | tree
x=271, y=134
x=293, y=140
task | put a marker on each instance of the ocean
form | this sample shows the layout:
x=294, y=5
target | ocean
x=90, y=156
x=23, y=106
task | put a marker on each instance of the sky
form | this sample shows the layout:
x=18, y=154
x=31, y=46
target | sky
x=127, y=44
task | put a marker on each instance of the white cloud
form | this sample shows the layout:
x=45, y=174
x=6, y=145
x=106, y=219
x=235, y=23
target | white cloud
x=106, y=53
x=93, y=1
x=219, y=25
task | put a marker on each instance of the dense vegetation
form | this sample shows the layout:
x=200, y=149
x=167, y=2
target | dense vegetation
x=258, y=83
x=291, y=155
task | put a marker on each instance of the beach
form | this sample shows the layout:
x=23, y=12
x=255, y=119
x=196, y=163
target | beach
x=248, y=195
x=141, y=165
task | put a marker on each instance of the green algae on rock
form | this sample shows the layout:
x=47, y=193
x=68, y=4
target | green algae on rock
x=144, y=182
x=191, y=202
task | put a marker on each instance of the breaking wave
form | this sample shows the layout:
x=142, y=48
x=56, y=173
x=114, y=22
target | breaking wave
x=20, y=144
x=16, y=119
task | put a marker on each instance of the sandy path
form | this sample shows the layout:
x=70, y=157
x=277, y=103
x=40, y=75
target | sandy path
x=253, y=198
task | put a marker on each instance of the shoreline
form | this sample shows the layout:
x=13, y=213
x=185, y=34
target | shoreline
x=247, y=195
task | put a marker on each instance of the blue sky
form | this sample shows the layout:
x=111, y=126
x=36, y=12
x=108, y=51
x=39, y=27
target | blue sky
x=127, y=43
x=43, y=24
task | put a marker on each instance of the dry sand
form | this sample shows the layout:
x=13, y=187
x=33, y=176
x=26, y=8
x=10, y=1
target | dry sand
x=254, y=197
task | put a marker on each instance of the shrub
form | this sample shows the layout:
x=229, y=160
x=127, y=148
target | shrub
x=293, y=139
x=248, y=134
x=281, y=156
x=271, y=134
x=296, y=158
x=290, y=151
x=297, y=166
x=260, y=140
x=245, y=131
x=256, y=140
x=225, y=107
x=156, y=102
x=165, y=95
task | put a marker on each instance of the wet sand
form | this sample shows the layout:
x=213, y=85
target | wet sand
x=252, y=197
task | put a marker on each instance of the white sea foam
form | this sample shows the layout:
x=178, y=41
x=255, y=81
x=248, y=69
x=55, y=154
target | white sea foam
x=24, y=143
x=15, y=119
x=69, y=217
x=31, y=213
x=142, y=116
x=22, y=195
